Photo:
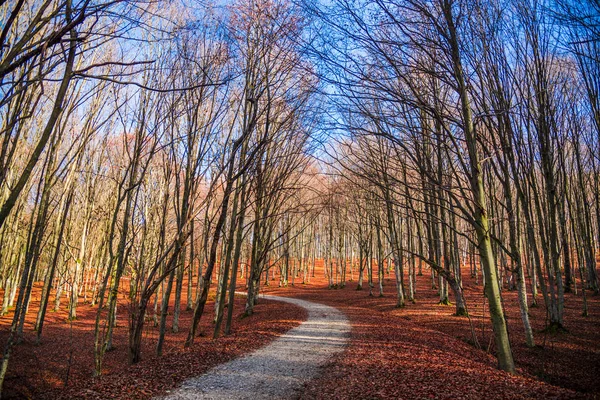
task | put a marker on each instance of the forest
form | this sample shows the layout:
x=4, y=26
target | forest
x=427, y=169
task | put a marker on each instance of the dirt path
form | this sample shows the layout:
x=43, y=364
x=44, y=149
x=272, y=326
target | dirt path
x=280, y=369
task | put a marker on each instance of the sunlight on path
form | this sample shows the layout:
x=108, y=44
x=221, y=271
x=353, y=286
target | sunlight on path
x=279, y=370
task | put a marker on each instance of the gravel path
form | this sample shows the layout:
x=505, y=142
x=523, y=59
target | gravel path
x=279, y=370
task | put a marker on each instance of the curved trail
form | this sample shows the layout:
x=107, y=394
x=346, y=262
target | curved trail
x=278, y=370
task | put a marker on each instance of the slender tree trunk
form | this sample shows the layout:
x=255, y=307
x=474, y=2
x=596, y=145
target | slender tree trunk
x=505, y=359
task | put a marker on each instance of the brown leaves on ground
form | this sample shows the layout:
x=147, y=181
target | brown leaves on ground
x=67, y=350
x=423, y=351
x=420, y=351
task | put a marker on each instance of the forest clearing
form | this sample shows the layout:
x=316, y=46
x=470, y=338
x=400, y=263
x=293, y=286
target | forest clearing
x=424, y=173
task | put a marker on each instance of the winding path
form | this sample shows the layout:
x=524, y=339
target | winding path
x=278, y=370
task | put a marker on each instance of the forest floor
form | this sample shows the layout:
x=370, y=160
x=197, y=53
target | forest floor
x=419, y=351
x=424, y=351
x=62, y=366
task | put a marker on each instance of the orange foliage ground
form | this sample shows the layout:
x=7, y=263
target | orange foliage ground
x=67, y=349
x=423, y=351
x=420, y=351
